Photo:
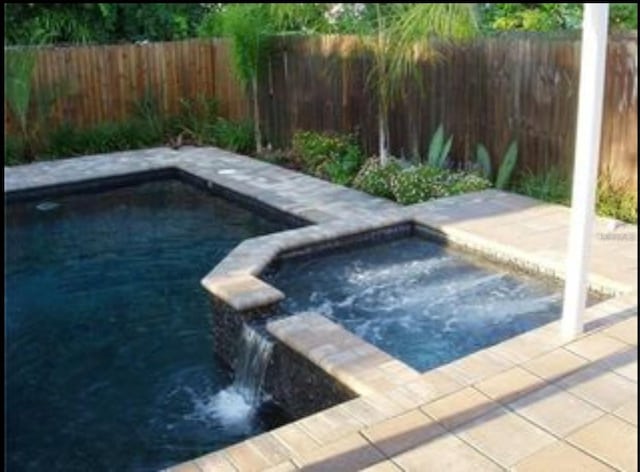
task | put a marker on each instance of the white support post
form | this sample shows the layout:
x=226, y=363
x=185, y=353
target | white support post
x=585, y=172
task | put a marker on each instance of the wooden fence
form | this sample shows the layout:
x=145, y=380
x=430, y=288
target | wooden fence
x=490, y=91
x=104, y=83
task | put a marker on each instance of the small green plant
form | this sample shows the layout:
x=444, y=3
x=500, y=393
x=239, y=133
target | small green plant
x=68, y=140
x=343, y=169
x=198, y=119
x=312, y=149
x=375, y=178
x=148, y=110
x=418, y=184
x=415, y=184
x=615, y=200
x=13, y=151
x=422, y=183
x=30, y=108
x=465, y=182
x=439, y=149
x=506, y=168
x=483, y=159
x=332, y=156
x=236, y=137
x=552, y=186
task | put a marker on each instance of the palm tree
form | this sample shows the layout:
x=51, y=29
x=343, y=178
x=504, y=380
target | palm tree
x=30, y=108
x=249, y=30
x=401, y=35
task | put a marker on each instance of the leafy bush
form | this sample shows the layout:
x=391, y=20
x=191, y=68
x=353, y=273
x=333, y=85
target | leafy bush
x=236, y=137
x=417, y=184
x=331, y=156
x=147, y=109
x=31, y=109
x=198, y=119
x=465, y=182
x=375, y=179
x=615, y=201
x=68, y=140
x=552, y=186
x=13, y=151
x=422, y=183
x=612, y=199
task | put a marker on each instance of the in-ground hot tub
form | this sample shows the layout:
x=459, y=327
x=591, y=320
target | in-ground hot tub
x=421, y=302
x=109, y=354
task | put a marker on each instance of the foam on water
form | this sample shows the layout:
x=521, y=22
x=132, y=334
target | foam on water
x=236, y=406
x=228, y=407
x=417, y=300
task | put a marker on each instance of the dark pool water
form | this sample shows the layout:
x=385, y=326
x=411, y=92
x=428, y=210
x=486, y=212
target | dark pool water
x=418, y=301
x=109, y=360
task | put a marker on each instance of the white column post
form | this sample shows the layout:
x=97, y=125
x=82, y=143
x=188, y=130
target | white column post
x=585, y=172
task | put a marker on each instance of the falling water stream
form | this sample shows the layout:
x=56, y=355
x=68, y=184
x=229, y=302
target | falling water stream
x=236, y=405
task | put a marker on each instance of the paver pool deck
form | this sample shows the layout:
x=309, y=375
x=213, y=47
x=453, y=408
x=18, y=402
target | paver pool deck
x=535, y=402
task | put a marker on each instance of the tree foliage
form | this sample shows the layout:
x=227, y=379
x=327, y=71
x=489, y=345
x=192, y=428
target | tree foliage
x=402, y=35
x=31, y=23
x=550, y=17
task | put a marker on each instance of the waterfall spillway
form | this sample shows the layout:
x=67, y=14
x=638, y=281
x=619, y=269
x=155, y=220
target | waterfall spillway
x=235, y=406
x=251, y=365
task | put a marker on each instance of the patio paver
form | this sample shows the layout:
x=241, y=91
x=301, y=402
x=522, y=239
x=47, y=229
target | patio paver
x=446, y=453
x=560, y=457
x=611, y=440
x=504, y=436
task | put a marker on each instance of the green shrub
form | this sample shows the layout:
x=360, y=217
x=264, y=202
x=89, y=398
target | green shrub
x=68, y=140
x=552, y=186
x=612, y=199
x=147, y=110
x=422, y=183
x=311, y=147
x=615, y=201
x=198, y=119
x=332, y=156
x=342, y=168
x=418, y=184
x=236, y=137
x=375, y=178
x=465, y=182
x=13, y=151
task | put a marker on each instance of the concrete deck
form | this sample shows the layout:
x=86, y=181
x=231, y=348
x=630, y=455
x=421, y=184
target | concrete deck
x=534, y=402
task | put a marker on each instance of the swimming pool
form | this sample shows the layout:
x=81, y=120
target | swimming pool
x=109, y=358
